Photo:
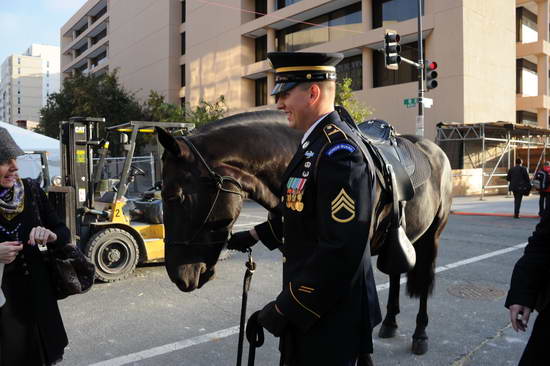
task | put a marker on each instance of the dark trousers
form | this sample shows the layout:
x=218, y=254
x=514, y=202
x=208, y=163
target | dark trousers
x=517, y=202
x=536, y=351
x=543, y=202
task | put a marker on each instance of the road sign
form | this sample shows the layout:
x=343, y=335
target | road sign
x=428, y=102
x=409, y=102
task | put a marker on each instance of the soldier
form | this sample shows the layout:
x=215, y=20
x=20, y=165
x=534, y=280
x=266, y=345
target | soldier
x=328, y=306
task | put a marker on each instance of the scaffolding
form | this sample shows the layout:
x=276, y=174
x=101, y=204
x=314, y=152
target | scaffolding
x=510, y=135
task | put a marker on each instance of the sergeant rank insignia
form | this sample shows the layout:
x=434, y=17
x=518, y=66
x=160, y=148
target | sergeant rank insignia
x=342, y=207
x=294, y=192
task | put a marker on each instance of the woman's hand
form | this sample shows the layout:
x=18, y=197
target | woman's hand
x=519, y=316
x=9, y=250
x=41, y=235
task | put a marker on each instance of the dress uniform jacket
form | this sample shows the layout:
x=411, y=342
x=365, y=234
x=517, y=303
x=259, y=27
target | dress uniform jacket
x=530, y=286
x=329, y=295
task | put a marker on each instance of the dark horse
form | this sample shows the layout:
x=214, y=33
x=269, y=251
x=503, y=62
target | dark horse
x=207, y=176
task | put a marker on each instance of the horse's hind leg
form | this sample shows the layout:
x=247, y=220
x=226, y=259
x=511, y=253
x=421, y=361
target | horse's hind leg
x=421, y=279
x=389, y=325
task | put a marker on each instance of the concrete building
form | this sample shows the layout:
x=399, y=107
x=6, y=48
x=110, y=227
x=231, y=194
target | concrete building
x=490, y=53
x=26, y=80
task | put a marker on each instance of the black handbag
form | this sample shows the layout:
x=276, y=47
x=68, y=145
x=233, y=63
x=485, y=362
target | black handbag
x=70, y=271
x=525, y=188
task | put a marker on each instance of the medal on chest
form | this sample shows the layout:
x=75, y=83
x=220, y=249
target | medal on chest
x=294, y=193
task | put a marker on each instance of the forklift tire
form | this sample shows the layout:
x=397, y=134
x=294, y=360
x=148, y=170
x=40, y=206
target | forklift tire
x=114, y=252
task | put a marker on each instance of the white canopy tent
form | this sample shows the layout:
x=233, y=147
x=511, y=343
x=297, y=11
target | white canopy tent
x=29, y=165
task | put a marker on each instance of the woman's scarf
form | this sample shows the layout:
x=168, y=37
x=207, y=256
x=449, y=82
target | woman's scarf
x=12, y=200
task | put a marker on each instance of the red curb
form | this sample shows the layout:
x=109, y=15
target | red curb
x=492, y=214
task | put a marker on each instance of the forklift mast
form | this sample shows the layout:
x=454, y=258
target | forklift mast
x=78, y=138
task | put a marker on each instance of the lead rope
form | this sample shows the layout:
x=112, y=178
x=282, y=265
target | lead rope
x=250, y=268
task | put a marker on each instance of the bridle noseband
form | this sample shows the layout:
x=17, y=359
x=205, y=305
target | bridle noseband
x=218, y=181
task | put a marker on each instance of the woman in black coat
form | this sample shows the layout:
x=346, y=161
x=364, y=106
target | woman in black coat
x=31, y=328
x=530, y=289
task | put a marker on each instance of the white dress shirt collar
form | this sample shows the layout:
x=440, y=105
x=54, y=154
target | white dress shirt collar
x=312, y=127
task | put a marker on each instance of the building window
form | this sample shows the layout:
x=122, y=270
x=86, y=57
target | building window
x=261, y=48
x=47, y=73
x=526, y=26
x=18, y=100
x=19, y=60
x=19, y=70
x=183, y=43
x=261, y=91
x=351, y=68
x=18, y=110
x=182, y=71
x=526, y=78
x=18, y=91
x=388, y=12
x=329, y=27
x=527, y=118
x=47, y=63
x=182, y=102
x=183, y=11
x=260, y=8
x=282, y=3
x=405, y=74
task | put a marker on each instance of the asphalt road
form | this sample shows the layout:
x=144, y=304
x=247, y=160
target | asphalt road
x=146, y=320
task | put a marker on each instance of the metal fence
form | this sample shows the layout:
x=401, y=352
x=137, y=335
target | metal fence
x=113, y=170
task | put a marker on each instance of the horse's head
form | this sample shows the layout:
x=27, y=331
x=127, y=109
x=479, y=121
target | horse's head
x=200, y=207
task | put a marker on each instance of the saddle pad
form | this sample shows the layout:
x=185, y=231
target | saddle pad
x=415, y=162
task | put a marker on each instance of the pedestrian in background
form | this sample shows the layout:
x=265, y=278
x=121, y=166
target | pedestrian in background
x=542, y=176
x=31, y=328
x=520, y=184
x=530, y=289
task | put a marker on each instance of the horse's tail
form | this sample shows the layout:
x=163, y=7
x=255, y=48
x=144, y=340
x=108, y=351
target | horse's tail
x=420, y=280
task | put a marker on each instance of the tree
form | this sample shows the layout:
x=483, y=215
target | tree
x=344, y=97
x=157, y=109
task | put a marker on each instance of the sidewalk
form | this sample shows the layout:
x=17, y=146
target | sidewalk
x=495, y=206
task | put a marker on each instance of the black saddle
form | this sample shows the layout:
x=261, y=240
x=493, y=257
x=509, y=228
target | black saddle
x=387, y=151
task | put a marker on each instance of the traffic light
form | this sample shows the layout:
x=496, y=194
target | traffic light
x=431, y=75
x=392, y=49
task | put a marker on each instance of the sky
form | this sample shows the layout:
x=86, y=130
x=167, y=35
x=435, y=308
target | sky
x=23, y=22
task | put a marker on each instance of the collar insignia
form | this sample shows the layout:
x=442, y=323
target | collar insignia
x=309, y=154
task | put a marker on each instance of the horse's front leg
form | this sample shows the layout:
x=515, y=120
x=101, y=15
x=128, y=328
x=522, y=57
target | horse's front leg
x=420, y=338
x=389, y=325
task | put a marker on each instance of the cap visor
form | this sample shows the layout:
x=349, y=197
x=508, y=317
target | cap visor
x=282, y=87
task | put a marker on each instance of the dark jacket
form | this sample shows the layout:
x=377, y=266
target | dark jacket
x=517, y=176
x=530, y=281
x=31, y=307
x=329, y=295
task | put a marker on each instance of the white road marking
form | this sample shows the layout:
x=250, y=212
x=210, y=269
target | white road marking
x=186, y=343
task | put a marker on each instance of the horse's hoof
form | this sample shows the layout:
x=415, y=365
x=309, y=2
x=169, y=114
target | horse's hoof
x=387, y=331
x=420, y=346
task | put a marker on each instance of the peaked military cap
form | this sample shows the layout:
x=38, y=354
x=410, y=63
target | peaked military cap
x=8, y=148
x=292, y=68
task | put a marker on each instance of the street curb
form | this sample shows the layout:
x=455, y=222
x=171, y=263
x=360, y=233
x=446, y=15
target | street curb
x=493, y=214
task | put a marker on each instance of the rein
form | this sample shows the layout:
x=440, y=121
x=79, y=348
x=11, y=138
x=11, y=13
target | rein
x=254, y=332
x=218, y=181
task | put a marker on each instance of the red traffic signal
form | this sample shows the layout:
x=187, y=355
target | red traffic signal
x=431, y=75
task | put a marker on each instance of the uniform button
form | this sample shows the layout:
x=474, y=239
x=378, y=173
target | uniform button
x=24, y=264
x=284, y=259
x=26, y=273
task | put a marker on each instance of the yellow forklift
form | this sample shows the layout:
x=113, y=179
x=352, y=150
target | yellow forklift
x=99, y=218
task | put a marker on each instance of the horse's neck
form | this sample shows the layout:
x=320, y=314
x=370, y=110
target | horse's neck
x=259, y=177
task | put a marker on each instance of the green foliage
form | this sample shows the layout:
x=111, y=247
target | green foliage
x=89, y=96
x=157, y=109
x=344, y=97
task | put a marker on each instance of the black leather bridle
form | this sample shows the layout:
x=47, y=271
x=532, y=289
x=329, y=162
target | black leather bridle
x=221, y=235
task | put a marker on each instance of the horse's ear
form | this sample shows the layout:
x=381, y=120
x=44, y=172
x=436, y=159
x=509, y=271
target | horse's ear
x=169, y=143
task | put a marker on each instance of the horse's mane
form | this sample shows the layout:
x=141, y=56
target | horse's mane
x=241, y=120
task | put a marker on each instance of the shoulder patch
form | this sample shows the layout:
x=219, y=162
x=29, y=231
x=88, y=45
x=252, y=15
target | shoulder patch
x=339, y=147
x=333, y=133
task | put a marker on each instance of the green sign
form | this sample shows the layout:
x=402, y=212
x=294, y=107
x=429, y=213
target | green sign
x=409, y=102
